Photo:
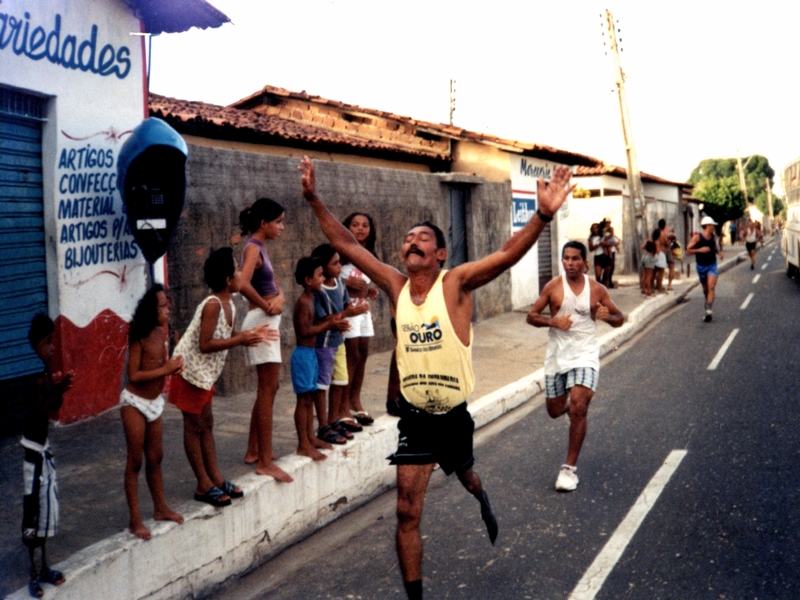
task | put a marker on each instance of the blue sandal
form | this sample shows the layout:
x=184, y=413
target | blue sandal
x=52, y=576
x=230, y=489
x=214, y=497
x=34, y=588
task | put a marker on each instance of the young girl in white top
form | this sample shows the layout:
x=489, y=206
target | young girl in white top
x=204, y=347
x=356, y=339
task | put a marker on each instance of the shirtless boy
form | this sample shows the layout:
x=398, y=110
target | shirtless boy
x=305, y=366
x=572, y=362
x=40, y=502
x=435, y=425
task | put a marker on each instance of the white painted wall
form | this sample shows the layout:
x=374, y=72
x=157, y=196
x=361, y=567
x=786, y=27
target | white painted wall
x=91, y=107
x=525, y=172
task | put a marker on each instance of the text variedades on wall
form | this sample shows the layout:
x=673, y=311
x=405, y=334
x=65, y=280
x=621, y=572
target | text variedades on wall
x=92, y=228
x=25, y=37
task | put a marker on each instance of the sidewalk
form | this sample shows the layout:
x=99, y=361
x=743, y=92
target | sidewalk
x=101, y=559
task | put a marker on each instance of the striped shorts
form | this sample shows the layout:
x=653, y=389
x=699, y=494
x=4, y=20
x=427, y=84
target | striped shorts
x=557, y=385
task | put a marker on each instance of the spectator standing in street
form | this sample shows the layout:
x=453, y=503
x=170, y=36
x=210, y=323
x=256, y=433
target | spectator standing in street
x=433, y=309
x=611, y=244
x=750, y=242
x=665, y=245
x=572, y=362
x=40, y=507
x=597, y=250
x=706, y=248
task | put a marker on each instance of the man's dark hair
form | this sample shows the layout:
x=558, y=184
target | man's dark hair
x=662, y=223
x=305, y=268
x=440, y=241
x=218, y=267
x=145, y=318
x=656, y=234
x=41, y=327
x=577, y=246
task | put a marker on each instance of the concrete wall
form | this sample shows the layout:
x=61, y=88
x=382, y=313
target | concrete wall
x=222, y=182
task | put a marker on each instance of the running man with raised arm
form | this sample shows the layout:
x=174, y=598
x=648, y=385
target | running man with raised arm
x=433, y=310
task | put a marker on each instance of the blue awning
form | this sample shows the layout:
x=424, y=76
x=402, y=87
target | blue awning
x=174, y=16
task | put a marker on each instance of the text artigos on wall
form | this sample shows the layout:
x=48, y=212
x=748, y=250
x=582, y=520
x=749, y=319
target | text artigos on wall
x=33, y=41
x=92, y=228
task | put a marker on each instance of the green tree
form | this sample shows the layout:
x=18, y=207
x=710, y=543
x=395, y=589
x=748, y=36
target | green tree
x=722, y=197
x=717, y=179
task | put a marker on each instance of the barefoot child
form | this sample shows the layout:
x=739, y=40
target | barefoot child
x=204, y=347
x=305, y=368
x=142, y=405
x=40, y=503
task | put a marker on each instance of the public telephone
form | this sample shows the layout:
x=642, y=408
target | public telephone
x=152, y=180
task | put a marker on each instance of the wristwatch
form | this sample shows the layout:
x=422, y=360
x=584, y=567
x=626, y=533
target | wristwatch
x=543, y=216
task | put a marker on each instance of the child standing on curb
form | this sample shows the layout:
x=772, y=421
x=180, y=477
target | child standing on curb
x=305, y=367
x=334, y=300
x=204, y=348
x=40, y=503
x=142, y=405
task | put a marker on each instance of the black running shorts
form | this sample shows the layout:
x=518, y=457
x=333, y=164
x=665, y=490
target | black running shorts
x=425, y=438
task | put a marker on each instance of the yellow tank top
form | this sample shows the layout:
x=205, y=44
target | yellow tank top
x=435, y=367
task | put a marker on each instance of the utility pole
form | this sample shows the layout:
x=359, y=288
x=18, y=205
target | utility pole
x=452, y=99
x=769, y=204
x=634, y=204
x=740, y=168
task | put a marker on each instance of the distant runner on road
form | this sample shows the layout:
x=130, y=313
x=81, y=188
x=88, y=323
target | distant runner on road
x=706, y=246
x=572, y=362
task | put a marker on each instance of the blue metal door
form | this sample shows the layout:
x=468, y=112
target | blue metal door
x=23, y=275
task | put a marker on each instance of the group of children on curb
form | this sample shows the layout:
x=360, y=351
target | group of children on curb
x=323, y=313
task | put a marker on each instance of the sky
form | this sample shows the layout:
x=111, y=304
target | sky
x=703, y=79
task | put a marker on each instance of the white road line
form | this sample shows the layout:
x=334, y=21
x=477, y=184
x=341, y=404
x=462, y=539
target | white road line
x=722, y=350
x=596, y=574
x=764, y=266
x=746, y=301
x=769, y=258
x=756, y=278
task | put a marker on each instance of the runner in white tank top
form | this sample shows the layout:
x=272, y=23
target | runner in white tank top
x=572, y=363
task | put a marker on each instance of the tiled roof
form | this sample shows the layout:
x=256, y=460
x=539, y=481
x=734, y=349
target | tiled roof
x=174, y=16
x=265, y=101
x=220, y=122
x=617, y=171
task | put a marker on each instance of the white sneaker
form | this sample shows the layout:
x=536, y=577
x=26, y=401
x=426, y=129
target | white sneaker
x=567, y=479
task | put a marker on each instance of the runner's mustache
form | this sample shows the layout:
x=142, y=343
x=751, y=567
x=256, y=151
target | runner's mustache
x=415, y=250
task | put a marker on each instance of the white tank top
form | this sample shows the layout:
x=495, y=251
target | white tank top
x=578, y=347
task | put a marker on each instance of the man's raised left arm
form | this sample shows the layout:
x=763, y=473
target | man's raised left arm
x=551, y=196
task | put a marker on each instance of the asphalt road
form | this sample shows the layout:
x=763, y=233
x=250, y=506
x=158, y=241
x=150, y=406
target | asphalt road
x=724, y=526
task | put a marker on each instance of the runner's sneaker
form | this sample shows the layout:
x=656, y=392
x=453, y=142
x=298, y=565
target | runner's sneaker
x=567, y=479
x=708, y=316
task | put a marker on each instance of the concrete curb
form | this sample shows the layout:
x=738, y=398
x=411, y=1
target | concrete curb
x=212, y=545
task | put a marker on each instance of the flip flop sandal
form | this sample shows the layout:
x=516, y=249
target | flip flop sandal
x=230, y=489
x=328, y=434
x=339, y=428
x=351, y=425
x=213, y=497
x=52, y=576
x=34, y=588
x=363, y=418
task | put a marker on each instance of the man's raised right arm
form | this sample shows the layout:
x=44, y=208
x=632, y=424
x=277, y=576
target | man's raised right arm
x=385, y=277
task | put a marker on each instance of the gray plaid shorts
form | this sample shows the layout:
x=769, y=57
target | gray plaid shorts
x=557, y=385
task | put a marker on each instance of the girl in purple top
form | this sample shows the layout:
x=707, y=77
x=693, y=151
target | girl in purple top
x=263, y=221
